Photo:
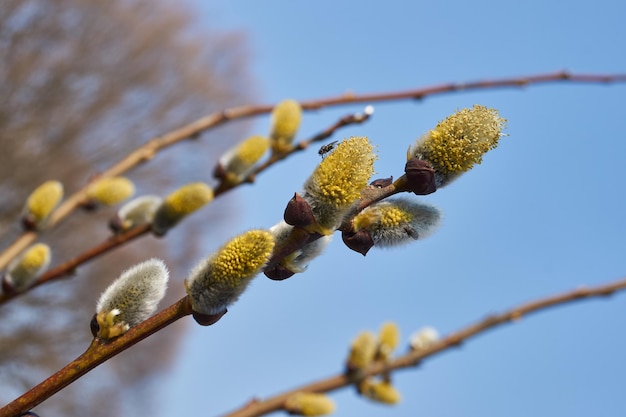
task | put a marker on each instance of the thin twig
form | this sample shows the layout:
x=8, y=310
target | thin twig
x=193, y=129
x=98, y=352
x=413, y=358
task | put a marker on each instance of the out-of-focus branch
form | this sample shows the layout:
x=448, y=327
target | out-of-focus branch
x=68, y=268
x=97, y=353
x=413, y=358
x=193, y=129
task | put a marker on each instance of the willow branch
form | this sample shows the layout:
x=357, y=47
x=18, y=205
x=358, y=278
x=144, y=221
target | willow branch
x=413, y=358
x=193, y=129
x=69, y=267
x=98, y=352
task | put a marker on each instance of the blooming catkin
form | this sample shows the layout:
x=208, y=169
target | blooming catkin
x=337, y=182
x=110, y=191
x=459, y=142
x=218, y=281
x=179, y=204
x=24, y=270
x=130, y=299
x=397, y=221
x=285, y=121
x=41, y=202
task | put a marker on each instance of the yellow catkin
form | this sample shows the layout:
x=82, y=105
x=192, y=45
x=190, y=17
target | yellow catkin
x=44, y=199
x=388, y=339
x=179, y=204
x=338, y=180
x=460, y=141
x=23, y=271
x=110, y=191
x=380, y=391
x=309, y=404
x=285, y=121
x=239, y=162
x=362, y=350
x=220, y=279
x=397, y=221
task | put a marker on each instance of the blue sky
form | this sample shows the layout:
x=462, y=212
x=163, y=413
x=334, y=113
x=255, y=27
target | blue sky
x=544, y=212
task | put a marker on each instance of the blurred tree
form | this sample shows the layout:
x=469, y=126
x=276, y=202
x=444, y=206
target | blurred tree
x=82, y=83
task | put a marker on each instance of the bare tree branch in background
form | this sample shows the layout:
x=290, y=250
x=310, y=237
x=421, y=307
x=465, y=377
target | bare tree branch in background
x=83, y=83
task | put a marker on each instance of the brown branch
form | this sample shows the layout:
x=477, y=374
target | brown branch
x=193, y=129
x=414, y=357
x=98, y=352
x=68, y=268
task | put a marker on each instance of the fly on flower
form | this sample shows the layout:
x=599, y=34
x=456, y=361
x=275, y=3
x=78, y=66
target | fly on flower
x=327, y=148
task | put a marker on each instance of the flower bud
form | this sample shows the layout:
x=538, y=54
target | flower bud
x=136, y=212
x=285, y=121
x=459, y=142
x=360, y=241
x=237, y=163
x=379, y=391
x=218, y=281
x=109, y=191
x=298, y=212
x=179, y=204
x=309, y=404
x=40, y=204
x=130, y=299
x=424, y=338
x=24, y=270
x=420, y=177
x=362, y=351
x=397, y=221
x=337, y=182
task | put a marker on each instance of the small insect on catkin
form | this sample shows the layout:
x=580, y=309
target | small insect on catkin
x=309, y=404
x=285, y=121
x=109, y=191
x=40, y=204
x=179, y=204
x=218, y=281
x=24, y=270
x=130, y=299
x=459, y=142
